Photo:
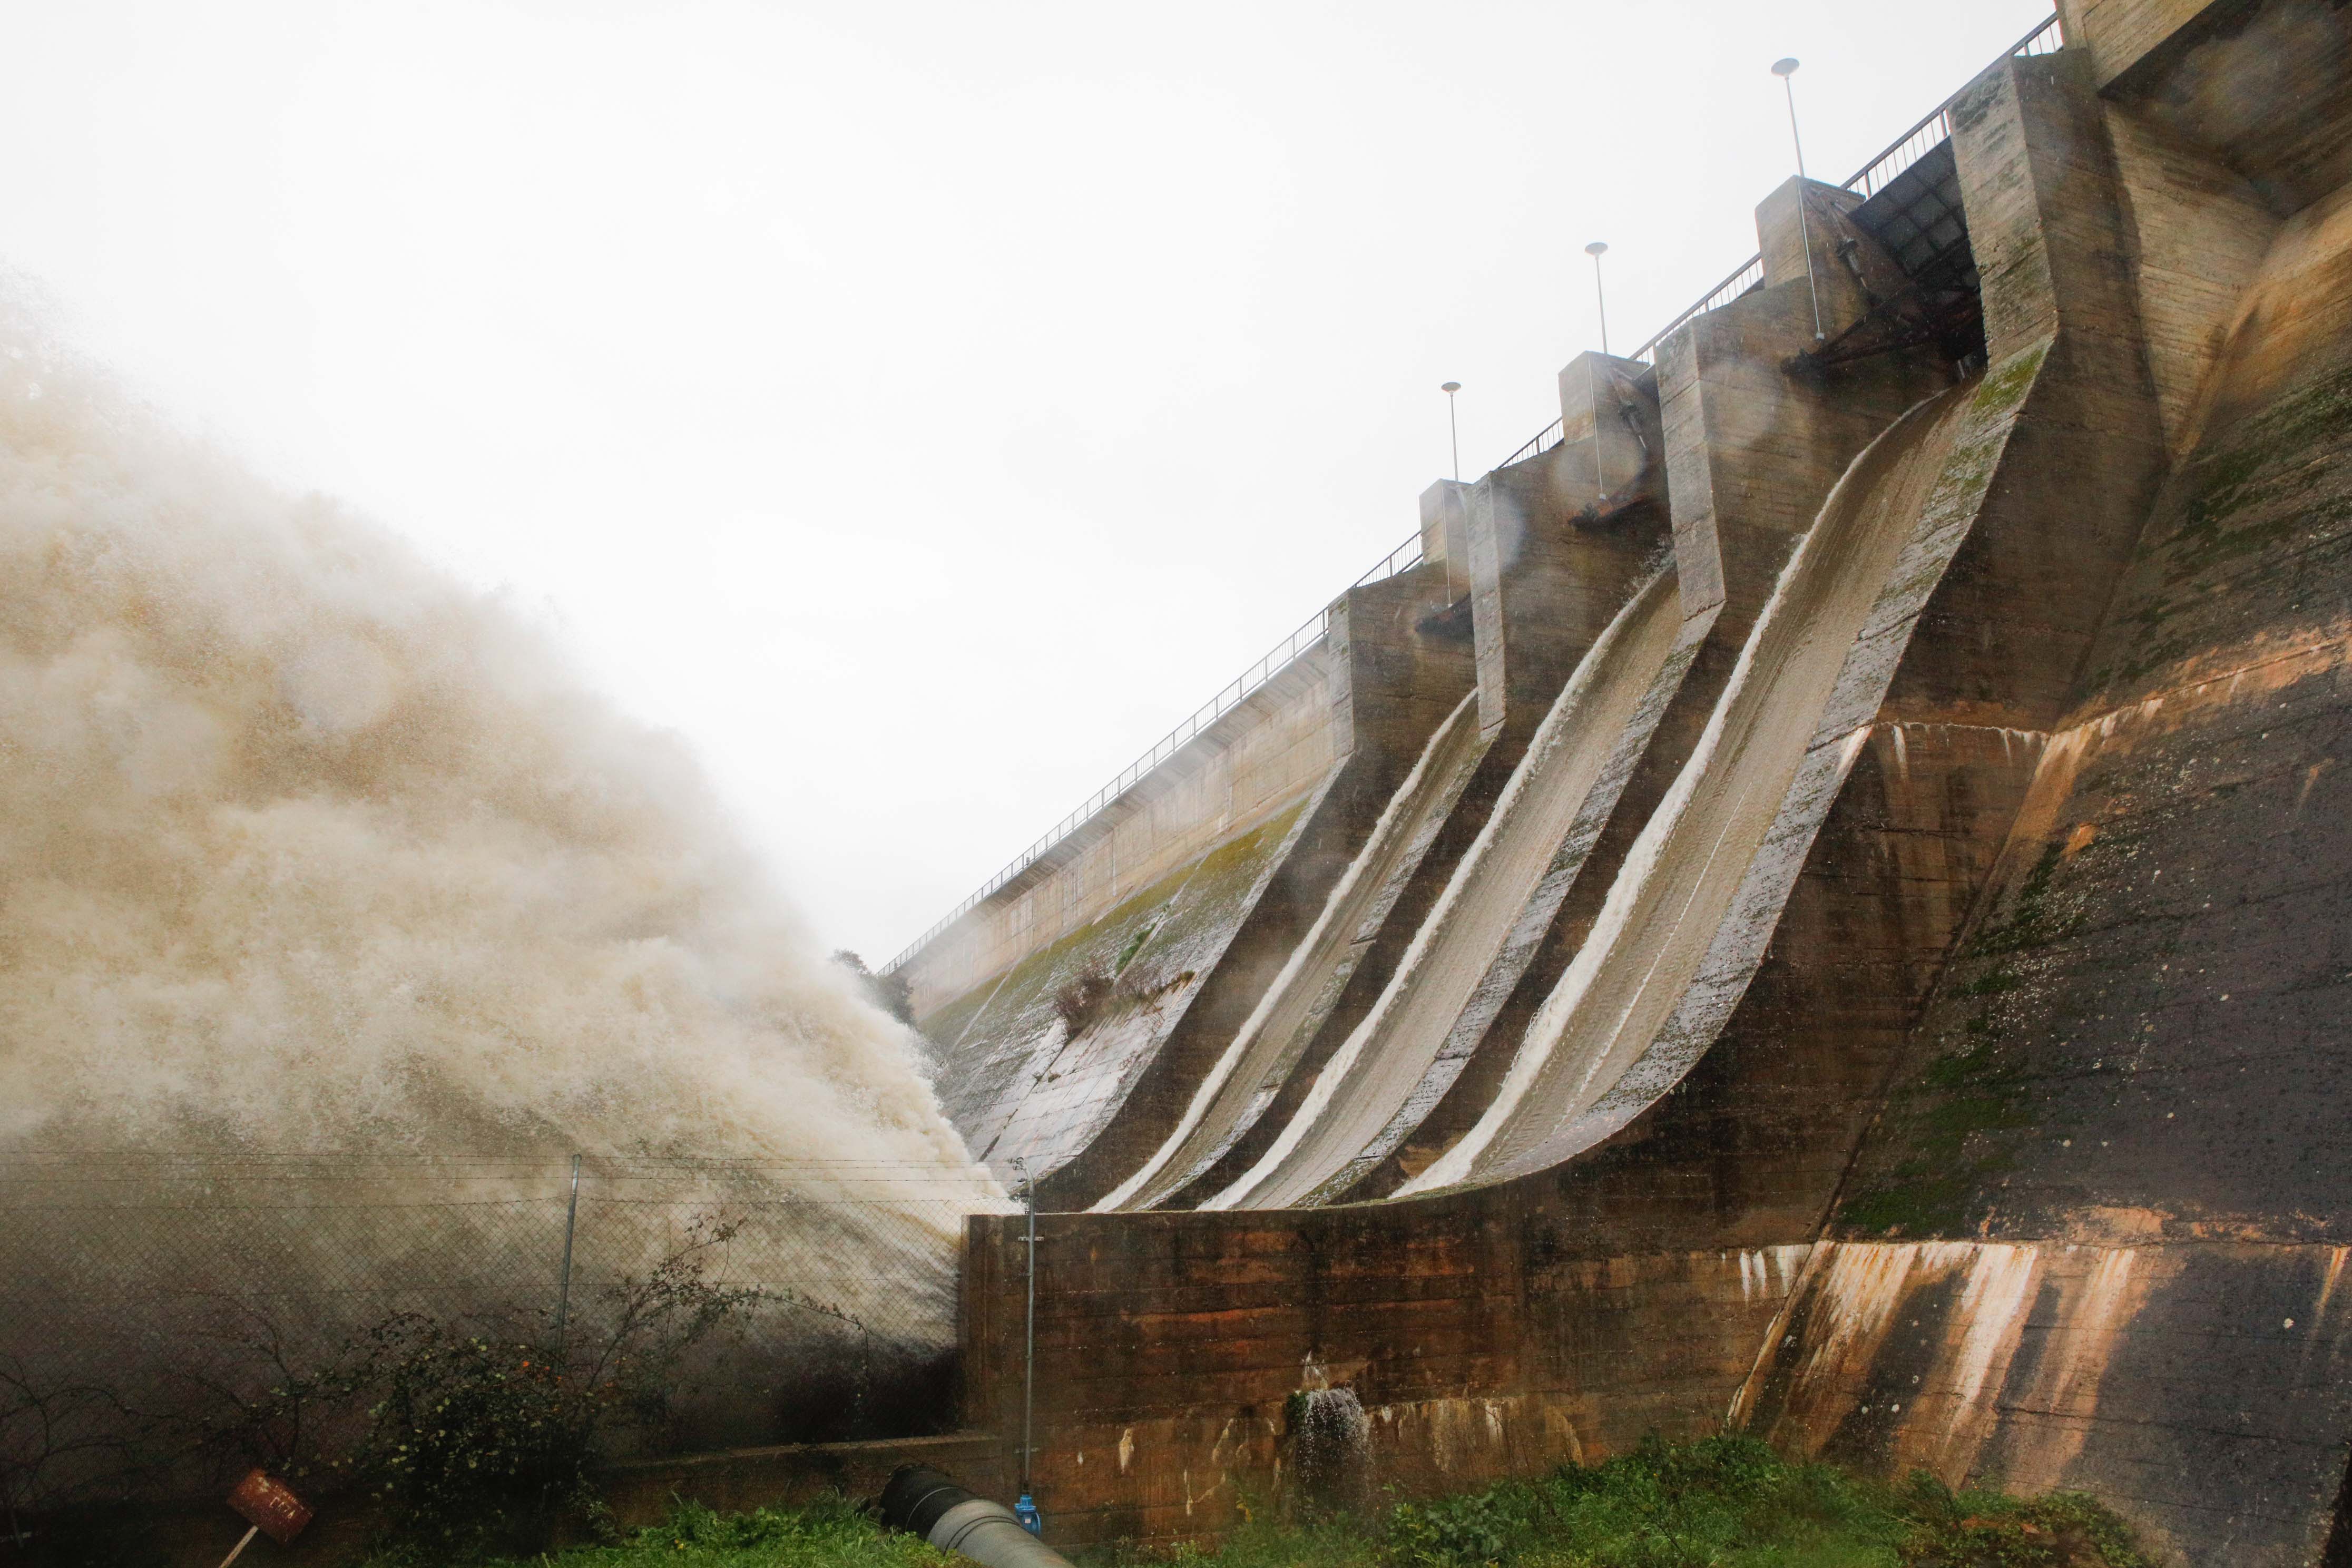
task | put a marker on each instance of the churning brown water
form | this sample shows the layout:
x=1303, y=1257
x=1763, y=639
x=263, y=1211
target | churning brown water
x=306, y=847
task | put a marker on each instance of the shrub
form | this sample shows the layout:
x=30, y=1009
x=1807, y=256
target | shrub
x=1724, y=1502
x=477, y=1442
x=1458, y=1532
x=1082, y=1001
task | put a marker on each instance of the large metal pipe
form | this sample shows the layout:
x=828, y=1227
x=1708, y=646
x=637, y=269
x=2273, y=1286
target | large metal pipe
x=925, y=1502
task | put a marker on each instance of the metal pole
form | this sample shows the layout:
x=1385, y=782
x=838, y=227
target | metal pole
x=1787, y=70
x=1788, y=81
x=571, y=1220
x=1029, y=1348
x=1596, y=250
x=1453, y=427
x=1592, y=391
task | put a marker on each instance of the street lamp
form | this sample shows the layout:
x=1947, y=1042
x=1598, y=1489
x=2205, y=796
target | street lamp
x=1453, y=427
x=1785, y=69
x=1596, y=250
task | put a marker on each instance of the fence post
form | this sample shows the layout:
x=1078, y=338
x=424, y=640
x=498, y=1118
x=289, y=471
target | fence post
x=1026, y=1510
x=564, y=1293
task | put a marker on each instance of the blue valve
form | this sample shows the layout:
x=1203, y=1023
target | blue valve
x=1026, y=1512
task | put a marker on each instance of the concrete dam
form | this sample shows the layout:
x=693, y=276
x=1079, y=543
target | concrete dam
x=1816, y=898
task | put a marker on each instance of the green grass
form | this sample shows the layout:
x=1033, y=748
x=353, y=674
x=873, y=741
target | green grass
x=1726, y=1502
x=833, y=1534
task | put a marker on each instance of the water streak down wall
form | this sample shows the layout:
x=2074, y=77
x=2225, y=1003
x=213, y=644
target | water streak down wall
x=2010, y=1151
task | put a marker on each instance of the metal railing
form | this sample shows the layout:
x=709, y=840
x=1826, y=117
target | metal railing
x=2045, y=40
x=1936, y=129
x=1546, y=440
x=1551, y=436
x=1749, y=275
x=1404, y=558
x=1872, y=178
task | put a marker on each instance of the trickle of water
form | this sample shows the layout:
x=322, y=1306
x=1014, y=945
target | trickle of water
x=1331, y=1452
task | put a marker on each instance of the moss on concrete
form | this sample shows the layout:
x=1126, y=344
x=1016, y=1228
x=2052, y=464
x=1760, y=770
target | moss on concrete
x=1133, y=945
x=1136, y=915
x=2006, y=384
x=1054, y=1046
x=2258, y=491
x=2030, y=922
x=1944, y=1119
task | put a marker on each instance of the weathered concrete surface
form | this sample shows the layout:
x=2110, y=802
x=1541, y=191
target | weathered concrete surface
x=1501, y=897
x=1559, y=542
x=1444, y=537
x=1509, y=1327
x=1495, y=1340
x=1549, y=568
x=1744, y=426
x=2179, y=846
x=2140, y=1041
x=1400, y=664
x=2120, y=35
x=1749, y=453
x=2034, y=1093
x=1078, y=1059
x=2264, y=85
x=1049, y=1052
x=1263, y=757
x=1574, y=671
x=2196, y=234
x=1689, y=919
x=2004, y=640
x=1261, y=1054
x=2201, y=1387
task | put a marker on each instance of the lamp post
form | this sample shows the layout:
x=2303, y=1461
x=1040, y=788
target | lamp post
x=1786, y=70
x=1596, y=250
x=1453, y=427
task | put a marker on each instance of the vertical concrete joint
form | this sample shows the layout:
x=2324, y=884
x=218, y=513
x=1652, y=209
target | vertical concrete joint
x=1493, y=532
x=1445, y=518
x=2045, y=216
x=1338, y=643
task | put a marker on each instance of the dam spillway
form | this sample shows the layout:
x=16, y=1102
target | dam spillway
x=1815, y=896
x=1670, y=938
x=1266, y=1050
x=1357, y=1110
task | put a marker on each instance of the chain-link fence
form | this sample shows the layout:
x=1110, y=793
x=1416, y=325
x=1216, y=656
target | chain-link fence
x=188, y=1291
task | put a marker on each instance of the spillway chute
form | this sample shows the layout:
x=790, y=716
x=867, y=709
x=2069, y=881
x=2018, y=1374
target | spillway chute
x=1689, y=916
x=1478, y=938
x=1251, y=1070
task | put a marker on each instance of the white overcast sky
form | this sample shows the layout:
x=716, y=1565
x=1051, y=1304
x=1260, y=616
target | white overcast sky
x=920, y=407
